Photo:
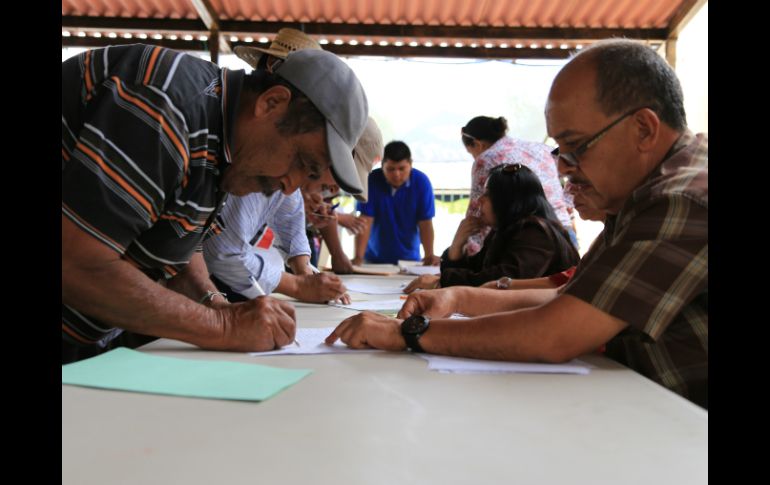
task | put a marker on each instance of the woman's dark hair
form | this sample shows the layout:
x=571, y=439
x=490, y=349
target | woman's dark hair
x=515, y=193
x=302, y=116
x=485, y=129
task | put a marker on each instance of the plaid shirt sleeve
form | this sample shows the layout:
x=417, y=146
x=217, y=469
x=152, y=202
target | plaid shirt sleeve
x=651, y=264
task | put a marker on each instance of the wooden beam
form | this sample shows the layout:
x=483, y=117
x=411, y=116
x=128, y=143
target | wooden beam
x=214, y=42
x=454, y=52
x=345, y=49
x=93, y=42
x=671, y=52
x=133, y=24
x=438, y=31
x=206, y=13
x=227, y=27
x=683, y=15
x=210, y=18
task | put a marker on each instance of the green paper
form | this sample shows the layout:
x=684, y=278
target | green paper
x=128, y=370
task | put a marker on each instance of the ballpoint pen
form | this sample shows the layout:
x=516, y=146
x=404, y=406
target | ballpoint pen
x=317, y=271
x=313, y=268
x=262, y=293
x=323, y=216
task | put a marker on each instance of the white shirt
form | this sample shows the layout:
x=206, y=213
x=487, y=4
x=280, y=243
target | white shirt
x=234, y=260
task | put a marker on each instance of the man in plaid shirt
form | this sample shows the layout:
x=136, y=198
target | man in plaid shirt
x=616, y=110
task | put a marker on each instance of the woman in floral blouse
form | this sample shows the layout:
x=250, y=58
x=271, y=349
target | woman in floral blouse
x=484, y=138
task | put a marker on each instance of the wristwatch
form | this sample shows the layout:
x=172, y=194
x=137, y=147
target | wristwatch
x=412, y=329
x=504, y=282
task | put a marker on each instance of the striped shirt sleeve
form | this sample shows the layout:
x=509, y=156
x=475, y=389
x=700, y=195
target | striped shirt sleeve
x=113, y=187
x=229, y=255
x=288, y=222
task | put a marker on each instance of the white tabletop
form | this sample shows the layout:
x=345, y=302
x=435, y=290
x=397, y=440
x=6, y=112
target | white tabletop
x=384, y=418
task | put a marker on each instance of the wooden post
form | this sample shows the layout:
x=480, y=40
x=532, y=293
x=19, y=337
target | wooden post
x=214, y=46
x=671, y=52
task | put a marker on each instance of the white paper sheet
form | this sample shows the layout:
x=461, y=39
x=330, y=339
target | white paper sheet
x=421, y=270
x=375, y=305
x=383, y=286
x=457, y=365
x=311, y=341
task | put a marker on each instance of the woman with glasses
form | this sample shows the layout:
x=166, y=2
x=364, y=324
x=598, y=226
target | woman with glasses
x=526, y=241
x=485, y=139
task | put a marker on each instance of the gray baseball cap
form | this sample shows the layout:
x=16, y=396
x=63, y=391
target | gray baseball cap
x=335, y=90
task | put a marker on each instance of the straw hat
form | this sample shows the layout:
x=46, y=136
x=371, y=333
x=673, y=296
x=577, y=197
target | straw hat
x=287, y=40
x=367, y=152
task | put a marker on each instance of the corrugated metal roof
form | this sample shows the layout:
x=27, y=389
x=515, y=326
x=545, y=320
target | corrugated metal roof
x=494, y=13
x=405, y=24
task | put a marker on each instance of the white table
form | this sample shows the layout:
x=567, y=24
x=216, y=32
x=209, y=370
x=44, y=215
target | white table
x=384, y=418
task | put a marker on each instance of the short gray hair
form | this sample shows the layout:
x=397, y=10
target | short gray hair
x=631, y=75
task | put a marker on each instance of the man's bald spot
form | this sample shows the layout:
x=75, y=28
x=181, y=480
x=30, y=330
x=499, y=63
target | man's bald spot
x=574, y=86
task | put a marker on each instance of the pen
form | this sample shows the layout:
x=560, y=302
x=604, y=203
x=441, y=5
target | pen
x=323, y=216
x=256, y=285
x=262, y=293
x=317, y=271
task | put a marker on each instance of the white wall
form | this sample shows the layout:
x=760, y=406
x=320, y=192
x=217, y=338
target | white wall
x=692, y=63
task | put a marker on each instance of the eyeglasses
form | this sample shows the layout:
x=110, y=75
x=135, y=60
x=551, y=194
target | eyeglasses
x=571, y=158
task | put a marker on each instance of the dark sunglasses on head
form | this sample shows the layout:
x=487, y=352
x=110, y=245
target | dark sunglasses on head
x=507, y=167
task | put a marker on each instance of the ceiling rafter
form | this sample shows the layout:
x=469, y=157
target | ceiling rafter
x=210, y=18
x=349, y=50
x=406, y=31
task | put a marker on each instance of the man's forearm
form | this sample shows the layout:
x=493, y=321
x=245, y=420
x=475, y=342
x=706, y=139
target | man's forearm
x=289, y=285
x=120, y=295
x=482, y=301
x=426, y=236
x=332, y=239
x=560, y=330
x=362, y=239
x=193, y=281
x=300, y=264
x=98, y=283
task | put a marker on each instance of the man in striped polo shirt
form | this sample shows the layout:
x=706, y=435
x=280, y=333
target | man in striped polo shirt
x=152, y=142
x=617, y=112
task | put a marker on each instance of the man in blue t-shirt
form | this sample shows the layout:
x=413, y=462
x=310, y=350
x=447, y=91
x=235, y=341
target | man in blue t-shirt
x=398, y=213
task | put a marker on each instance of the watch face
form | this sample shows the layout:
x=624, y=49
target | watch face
x=415, y=324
